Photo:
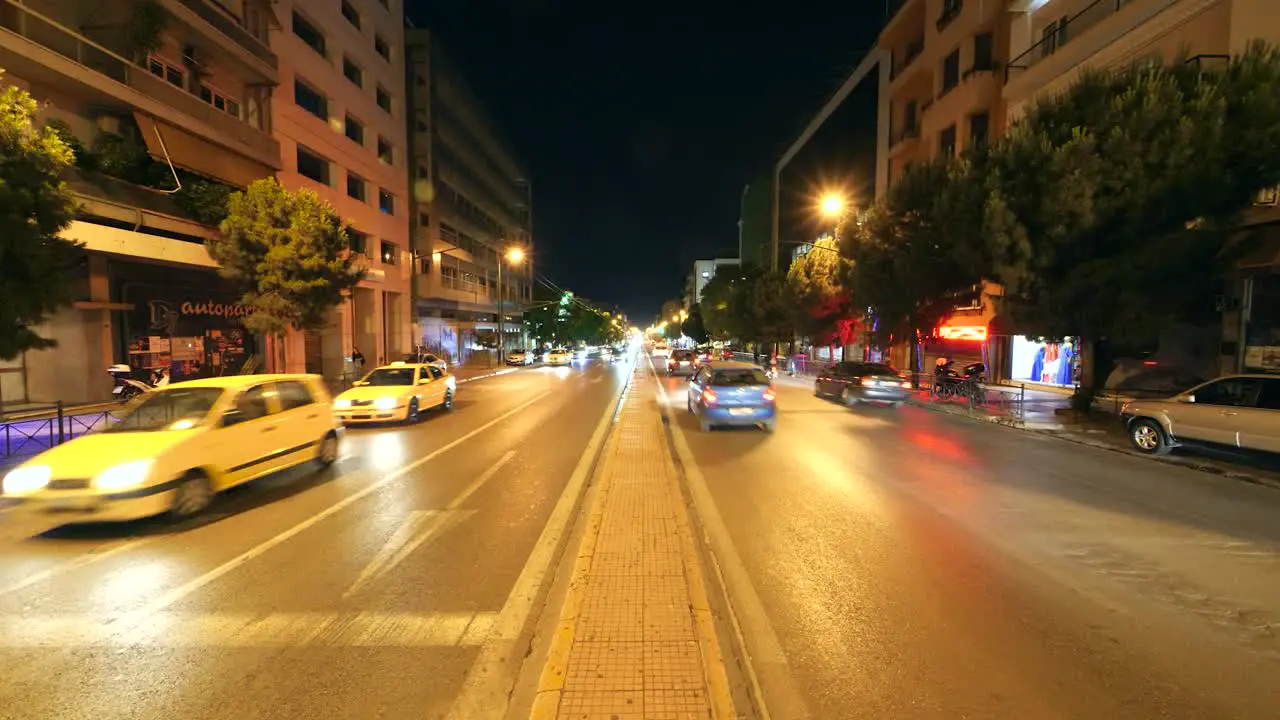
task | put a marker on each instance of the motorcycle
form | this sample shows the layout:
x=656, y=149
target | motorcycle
x=966, y=382
x=128, y=386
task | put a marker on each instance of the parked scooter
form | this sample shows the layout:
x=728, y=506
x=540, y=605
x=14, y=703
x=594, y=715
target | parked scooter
x=967, y=382
x=128, y=386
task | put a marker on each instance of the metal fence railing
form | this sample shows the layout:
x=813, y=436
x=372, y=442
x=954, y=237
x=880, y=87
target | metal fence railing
x=35, y=430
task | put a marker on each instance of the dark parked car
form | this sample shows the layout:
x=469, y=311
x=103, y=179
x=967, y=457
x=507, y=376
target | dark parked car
x=855, y=382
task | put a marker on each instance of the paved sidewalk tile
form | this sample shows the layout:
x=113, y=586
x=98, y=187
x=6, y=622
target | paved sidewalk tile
x=635, y=650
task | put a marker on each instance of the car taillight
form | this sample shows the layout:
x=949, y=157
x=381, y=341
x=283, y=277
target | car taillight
x=867, y=382
x=906, y=384
x=709, y=396
x=770, y=395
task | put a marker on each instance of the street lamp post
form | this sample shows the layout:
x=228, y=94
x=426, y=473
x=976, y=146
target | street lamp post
x=514, y=256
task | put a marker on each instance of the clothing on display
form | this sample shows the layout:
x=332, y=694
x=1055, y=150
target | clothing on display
x=1053, y=363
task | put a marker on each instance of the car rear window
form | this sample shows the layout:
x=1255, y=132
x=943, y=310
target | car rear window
x=739, y=376
x=876, y=369
x=682, y=354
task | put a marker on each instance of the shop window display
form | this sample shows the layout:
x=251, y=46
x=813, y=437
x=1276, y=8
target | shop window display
x=1048, y=363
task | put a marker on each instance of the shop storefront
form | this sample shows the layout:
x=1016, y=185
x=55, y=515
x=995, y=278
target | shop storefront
x=1046, y=363
x=193, y=330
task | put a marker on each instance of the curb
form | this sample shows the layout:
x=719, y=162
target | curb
x=546, y=701
x=1176, y=462
x=1002, y=420
x=496, y=373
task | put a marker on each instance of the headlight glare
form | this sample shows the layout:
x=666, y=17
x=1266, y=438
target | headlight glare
x=385, y=403
x=122, y=476
x=26, y=479
x=342, y=403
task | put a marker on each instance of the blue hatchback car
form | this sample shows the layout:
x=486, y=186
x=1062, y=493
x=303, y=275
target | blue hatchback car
x=732, y=393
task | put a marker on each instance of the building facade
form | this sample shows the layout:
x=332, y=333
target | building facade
x=339, y=118
x=166, y=97
x=471, y=206
x=1052, y=41
x=703, y=271
x=944, y=89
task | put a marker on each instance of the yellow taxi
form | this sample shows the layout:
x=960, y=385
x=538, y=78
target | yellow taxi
x=174, y=448
x=398, y=392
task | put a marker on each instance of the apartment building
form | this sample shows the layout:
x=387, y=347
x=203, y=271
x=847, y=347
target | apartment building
x=471, y=208
x=339, y=118
x=944, y=88
x=166, y=97
x=1052, y=41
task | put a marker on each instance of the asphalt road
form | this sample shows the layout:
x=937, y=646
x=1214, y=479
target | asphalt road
x=368, y=590
x=910, y=564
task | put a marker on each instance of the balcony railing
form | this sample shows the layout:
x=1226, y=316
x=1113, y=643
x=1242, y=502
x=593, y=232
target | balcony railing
x=82, y=51
x=232, y=29
x=1064, y=31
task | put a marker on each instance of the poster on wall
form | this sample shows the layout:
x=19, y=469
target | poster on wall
x=1047, y=363
x=192, y=337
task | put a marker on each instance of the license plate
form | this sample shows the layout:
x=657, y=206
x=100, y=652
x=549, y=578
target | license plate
x=741, y=411
x=70, y=505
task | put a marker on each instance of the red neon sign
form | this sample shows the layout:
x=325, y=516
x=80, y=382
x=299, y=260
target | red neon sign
x=977, y=333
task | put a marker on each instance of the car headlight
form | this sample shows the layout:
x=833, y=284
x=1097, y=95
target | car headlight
x=385, y=403
x=341, y=404
x=26, y=479
x=122, y=476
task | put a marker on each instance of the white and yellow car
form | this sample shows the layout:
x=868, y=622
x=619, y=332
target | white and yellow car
x=174, y=448
x=398, y=392
x=559, y=356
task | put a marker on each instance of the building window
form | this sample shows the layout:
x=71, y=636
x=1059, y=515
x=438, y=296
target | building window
x=979, y=129
x=424, y=220
x=313, y=166
x=219, y=100
x=382, y=47
x=422, y=172
x=352, y=72
x=950, y=11
x=385, y=153
x=310, y=100
x=308, y=33
x=166, y=70
x=983, y=52
x=386, y=202
x=357, y=241
x=390, y=253
x=1053, y=37
x=355, y=130
x=350, y=14
x=947, y=141
x=421, y=125
x=383, y=97
x=355, y=187
x=951, y=71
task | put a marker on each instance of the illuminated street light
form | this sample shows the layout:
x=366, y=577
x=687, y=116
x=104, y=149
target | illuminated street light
x=515, y=256
x=832, y=205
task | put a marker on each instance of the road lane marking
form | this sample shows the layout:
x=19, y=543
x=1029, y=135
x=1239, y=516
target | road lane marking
x=418, y=528
x=486, y=690
x=422, y=526
x=79, y=562
x=159, y=604
x=765, y=663
x=248, y=630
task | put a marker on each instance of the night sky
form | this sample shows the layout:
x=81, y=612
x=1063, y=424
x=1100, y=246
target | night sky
x=640, y=122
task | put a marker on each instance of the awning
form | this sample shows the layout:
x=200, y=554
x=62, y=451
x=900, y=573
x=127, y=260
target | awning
x=196, y=154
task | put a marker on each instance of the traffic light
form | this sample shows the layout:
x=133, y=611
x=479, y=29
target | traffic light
x=566, y=297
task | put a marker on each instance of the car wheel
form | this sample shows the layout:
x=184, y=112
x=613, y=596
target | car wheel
x=327, y=454
x=412, y=416
x=848, y=398
x=1147, y=436
x=705, y=425
x=770, y=426
x=448, y=400
x=817, y=390
x=195, y=493
x=689, y=404
x=896, y=405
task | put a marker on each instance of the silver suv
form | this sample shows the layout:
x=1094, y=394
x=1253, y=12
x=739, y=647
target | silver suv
x=1237, y=411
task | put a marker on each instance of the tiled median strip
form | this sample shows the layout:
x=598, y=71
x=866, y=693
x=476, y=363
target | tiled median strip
x=635, y=638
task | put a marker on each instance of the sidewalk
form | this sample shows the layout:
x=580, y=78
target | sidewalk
x=635, y=637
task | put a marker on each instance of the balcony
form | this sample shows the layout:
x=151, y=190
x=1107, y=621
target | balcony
x=1058, y=34
x=910, y=52
x=230, y=32
x=42, y=51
